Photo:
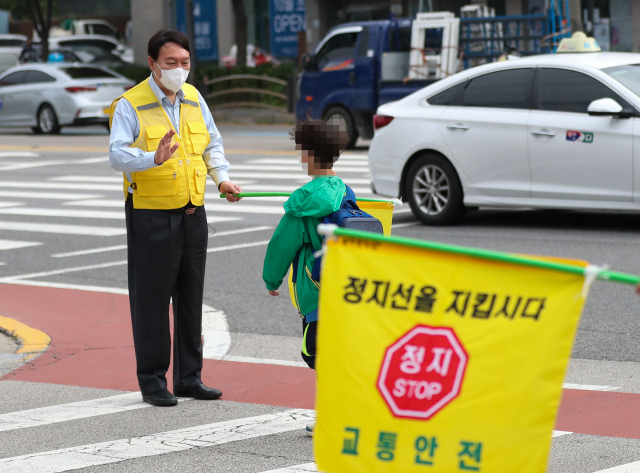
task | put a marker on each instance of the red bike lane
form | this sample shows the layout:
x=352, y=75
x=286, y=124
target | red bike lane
x=91, y=346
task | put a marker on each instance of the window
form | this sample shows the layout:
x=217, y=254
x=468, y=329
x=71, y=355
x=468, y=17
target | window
x=11, y=42
x=88, y=42
x=399, y=39
x=336, y=50
x=629, y=76
x=13, y=79
x=450, y=96
x=504, y=89
x=103, y=30
x=569, y=91
x=87, y=73
x=433, y=41
x=363, y=46
x=34, y=77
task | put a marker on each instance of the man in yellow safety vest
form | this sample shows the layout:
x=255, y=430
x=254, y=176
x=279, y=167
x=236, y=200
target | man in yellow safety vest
x=164, y=141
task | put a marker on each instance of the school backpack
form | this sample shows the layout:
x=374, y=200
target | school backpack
x=349, y=216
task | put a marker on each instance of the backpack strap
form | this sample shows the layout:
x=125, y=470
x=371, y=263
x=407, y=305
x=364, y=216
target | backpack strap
x=294, y=276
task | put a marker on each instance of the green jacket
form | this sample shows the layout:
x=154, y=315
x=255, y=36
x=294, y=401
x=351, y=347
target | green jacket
x=297, y=230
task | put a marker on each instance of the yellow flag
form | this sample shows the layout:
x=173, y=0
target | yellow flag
x=439, y=362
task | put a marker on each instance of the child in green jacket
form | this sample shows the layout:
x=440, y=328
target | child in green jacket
x=319, y=144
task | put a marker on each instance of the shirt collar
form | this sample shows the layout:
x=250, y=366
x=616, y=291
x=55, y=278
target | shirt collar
x=161, y=95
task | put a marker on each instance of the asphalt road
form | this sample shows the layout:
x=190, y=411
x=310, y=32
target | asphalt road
x=62, y=226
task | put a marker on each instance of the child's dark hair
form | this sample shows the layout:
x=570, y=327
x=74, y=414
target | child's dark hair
x=323, y=140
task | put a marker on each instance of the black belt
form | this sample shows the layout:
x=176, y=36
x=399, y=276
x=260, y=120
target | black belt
x=187, y=209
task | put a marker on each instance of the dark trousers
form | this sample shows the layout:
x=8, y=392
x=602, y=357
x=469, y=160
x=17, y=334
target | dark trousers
x=166, y=252
x=309, y=335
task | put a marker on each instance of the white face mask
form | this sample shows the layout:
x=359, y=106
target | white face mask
x=173, y=79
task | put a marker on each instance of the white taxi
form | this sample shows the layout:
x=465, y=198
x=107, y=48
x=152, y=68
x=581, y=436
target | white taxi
x=548, y=131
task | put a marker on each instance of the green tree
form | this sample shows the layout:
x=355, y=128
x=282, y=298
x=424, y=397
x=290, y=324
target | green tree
x=41, y=19
x=241, y=32
x=19, y=8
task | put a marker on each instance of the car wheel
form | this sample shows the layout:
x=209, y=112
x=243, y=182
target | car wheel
x=341, y=113
x=433, y=190
x=47, y=120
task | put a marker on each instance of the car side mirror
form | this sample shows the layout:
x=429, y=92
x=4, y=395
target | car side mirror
x=307, y=62
x=607, y=107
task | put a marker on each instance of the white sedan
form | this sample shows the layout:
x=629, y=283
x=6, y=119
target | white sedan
x=549, y=131
x=47, y=97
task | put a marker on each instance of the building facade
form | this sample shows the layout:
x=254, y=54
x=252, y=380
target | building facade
x=273, y=24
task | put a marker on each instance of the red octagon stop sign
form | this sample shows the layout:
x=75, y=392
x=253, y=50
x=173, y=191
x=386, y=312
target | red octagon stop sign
x=422, y=372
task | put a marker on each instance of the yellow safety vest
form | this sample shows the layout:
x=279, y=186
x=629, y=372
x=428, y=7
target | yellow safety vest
x=181, y=179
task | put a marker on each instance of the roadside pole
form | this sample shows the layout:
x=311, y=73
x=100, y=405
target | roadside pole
x=188, y=5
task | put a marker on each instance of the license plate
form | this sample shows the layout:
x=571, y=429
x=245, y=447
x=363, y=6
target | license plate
x=106, y=110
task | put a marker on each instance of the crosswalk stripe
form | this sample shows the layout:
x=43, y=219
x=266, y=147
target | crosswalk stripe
x=101, y=159
x=72, y=411
x=260, y=175
x=107, y=179
x=55, y=272
x=262, y=361
x=296, y=468
x=69, y=213
x=61, y=185
x=292, y=167
x=628, y=468
x=115, y=179
x=19, y=277
x=96, y=214
x=124, y=247
x=291, y=187
x=222, y=206
x=209, y=435
x=18, y=154
x=90, y=252
x=342, y=160
x=10, y=204
x=288, y=177
x=61, y=285
x=33, y=164
x=14, y=245
x=237, y=247
x=408, y=224
x=61, y=228
x=589, y=387
x=241, y=207
x=48, y=195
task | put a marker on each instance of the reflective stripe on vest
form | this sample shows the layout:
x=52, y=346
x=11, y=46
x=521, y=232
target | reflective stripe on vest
x=181, y=179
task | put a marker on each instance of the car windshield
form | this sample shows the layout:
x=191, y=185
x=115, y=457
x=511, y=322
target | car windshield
x=87, y=73
x=628, y=75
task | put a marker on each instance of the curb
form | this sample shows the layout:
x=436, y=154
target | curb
x=34, y=342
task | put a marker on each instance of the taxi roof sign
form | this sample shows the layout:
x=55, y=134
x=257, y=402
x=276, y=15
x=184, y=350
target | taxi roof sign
x=578, y=43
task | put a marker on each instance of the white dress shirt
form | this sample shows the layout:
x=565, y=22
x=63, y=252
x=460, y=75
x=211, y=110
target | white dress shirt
x=125, y=128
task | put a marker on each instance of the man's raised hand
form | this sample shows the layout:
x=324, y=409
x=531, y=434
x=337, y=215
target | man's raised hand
x=165, y=150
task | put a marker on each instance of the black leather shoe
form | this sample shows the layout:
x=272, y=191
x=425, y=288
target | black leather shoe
x=161, y=397
x=199, y=392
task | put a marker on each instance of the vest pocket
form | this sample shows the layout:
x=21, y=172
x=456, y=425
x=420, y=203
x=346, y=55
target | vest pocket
x=200, y=177
x=154, y=134
x=198, y=137
x=157, y=184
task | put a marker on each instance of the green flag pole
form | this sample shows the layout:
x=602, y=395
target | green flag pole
x=603, y=274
